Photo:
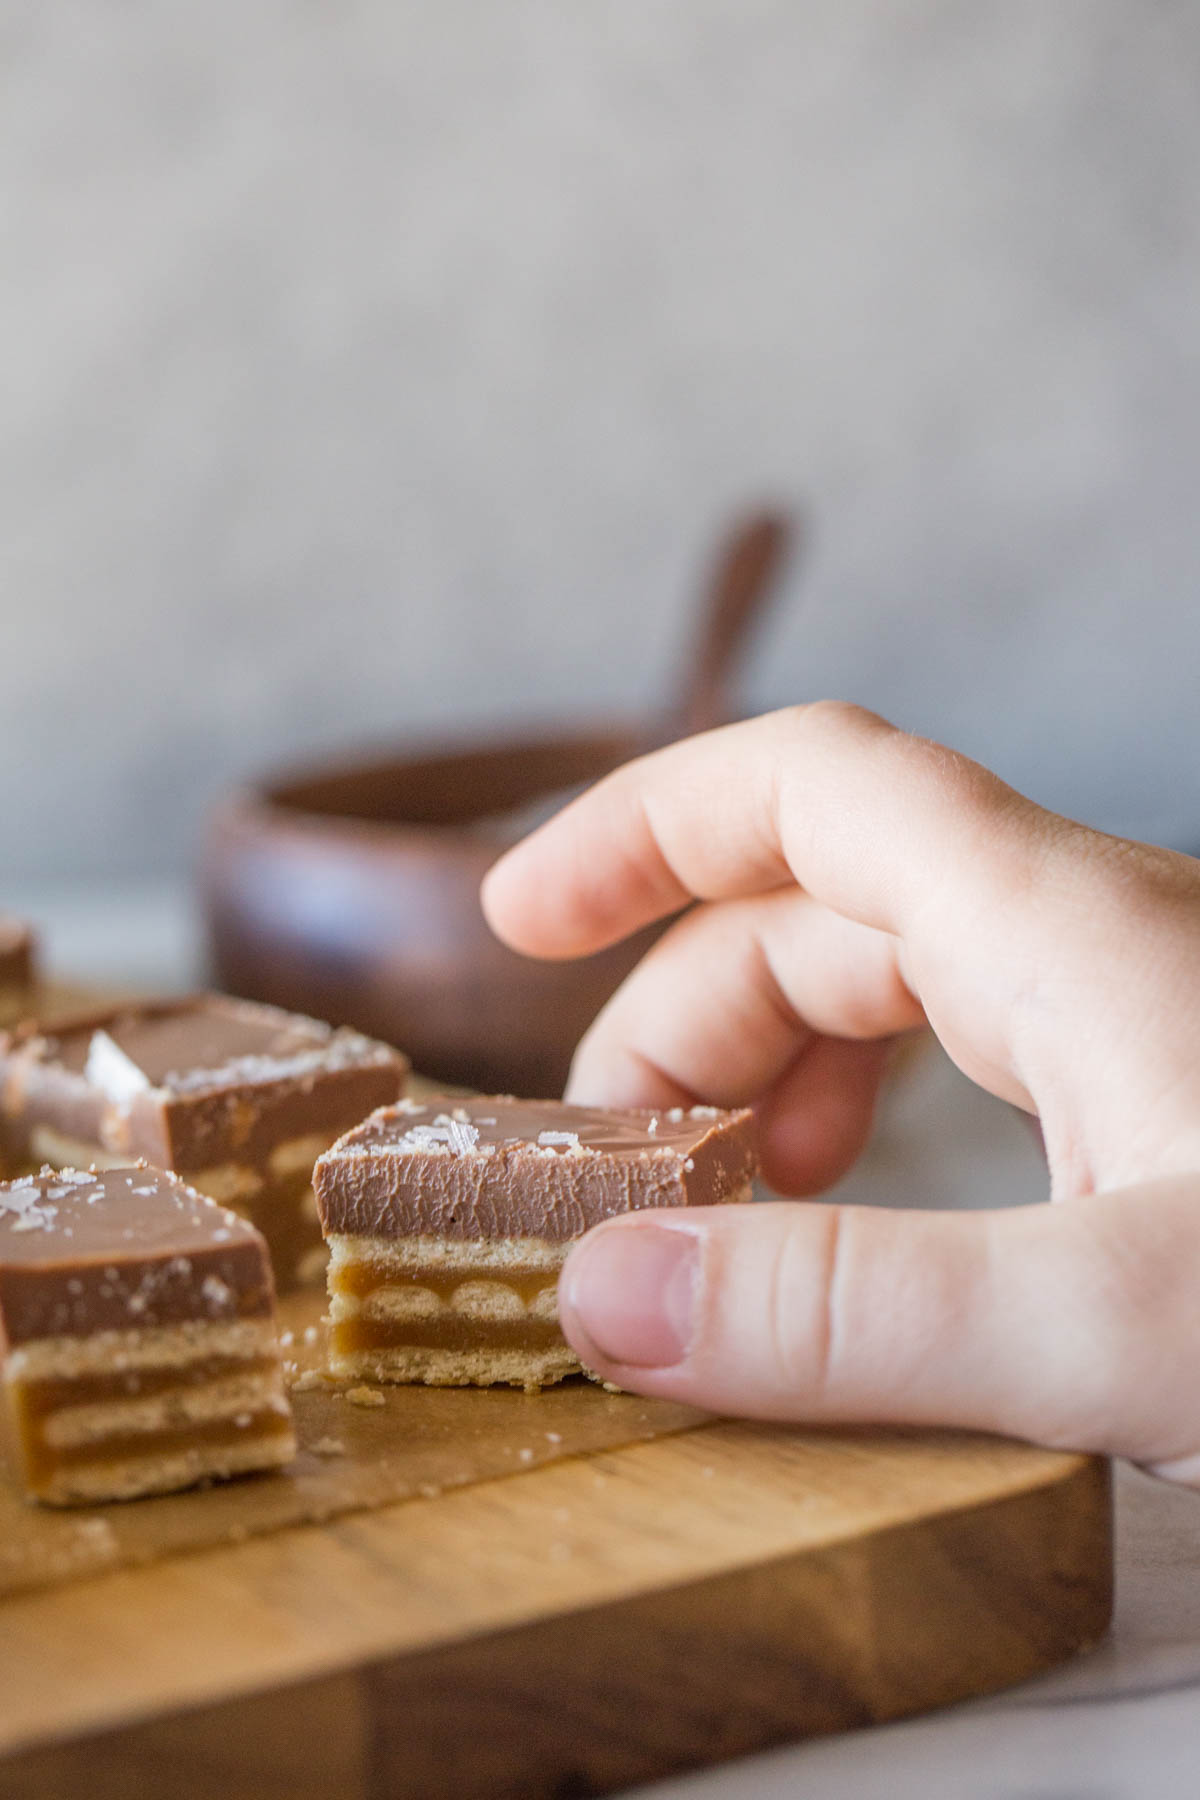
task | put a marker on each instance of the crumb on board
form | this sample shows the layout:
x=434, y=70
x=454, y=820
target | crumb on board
x=96, y=1536
x=525, y=1455
x=329, y=1446
x=364, y=1396
x=311, y=1378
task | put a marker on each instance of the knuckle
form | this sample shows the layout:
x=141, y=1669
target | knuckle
x=832, y=717
x=966, y=785
x=828, y=1335
x=802, y=1316
x=1134, y=875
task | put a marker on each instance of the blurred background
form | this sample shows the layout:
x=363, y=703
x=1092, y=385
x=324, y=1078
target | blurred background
x=377, y=371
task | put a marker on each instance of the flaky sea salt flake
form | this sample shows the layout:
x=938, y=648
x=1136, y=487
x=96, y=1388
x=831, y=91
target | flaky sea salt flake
x=217, y=1293
x=38, y=1218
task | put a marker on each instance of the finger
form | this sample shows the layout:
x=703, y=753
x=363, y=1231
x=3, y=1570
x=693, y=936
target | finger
x=731, y=995
x=1075, y=1327
x=733, y=1006
x=814, y=1123
x=860, y=814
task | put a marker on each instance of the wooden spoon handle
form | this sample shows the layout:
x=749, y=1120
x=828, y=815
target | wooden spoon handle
x=744, y=578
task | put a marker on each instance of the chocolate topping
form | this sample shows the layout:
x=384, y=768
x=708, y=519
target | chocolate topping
x=498, y=1167
x=121, y=1249
x=192, y=1083
x=204, y=1044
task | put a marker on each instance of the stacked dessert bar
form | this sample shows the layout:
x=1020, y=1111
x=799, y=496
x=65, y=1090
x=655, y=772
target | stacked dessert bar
x=448, y=1224
x=164, y=1155
x=138, y=1321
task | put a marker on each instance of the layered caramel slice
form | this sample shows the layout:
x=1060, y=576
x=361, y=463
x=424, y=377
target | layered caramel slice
x=240, y=1099
x=448, y=1223
x=138, y=1323
x=17, y=970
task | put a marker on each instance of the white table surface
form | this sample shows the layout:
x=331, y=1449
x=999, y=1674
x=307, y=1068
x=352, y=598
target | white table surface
x=1122, y=1723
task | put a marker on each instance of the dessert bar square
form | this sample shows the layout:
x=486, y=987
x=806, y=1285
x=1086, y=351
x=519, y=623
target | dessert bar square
x=448, y=1224
x=238, y=1098
x=138, y=1324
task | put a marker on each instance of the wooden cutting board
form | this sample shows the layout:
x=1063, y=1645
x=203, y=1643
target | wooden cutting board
x=567, y=1629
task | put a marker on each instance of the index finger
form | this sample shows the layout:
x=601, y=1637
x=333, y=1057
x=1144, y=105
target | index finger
x=860, y=814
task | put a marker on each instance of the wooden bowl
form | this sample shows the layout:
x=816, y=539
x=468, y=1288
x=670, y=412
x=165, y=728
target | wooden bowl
x=353, y=894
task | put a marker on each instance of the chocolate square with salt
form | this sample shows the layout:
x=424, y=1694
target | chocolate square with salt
x=238, y=1097
x=84, y=1251
x=137, y=1320
x=448, y=1225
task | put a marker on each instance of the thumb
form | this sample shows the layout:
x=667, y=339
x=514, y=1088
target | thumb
x=1075, y=1326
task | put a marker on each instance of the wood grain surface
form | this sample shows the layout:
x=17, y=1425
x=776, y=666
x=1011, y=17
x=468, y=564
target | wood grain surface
x=567, y=1631
x=350, y=1458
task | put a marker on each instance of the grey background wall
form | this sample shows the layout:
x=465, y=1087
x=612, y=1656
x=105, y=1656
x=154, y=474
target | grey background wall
x=386, y=367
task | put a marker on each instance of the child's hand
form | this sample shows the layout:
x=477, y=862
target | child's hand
x=855, y=881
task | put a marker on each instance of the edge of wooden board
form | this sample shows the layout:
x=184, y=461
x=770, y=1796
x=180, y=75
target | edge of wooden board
x=765, y=1583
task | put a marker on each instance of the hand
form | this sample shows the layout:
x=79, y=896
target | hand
x=853, y=882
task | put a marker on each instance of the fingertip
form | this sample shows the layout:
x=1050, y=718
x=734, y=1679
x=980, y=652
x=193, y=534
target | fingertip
x=817, y=1119
x=608, y=1071
x=628, y=1294
x=520, y=908
x=496, y=894
x=491, y=895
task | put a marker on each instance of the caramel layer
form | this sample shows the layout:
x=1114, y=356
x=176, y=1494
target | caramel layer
x=40, y=1398
x=266, y=1426
x=361, y=1279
